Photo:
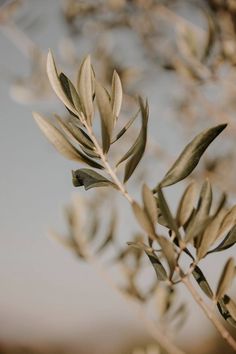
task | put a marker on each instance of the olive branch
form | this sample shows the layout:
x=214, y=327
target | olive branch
x=198, y=229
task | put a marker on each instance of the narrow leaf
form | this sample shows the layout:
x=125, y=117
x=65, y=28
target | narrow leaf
x=56, y=84
x=70, y=91
x=85, y=89
x=125, y=128
x=230, y=305
x=158, y=267
x=190, y=156
x=107, y=117
x=186, y=204
x=226, y=279
x=169, y=253
x=225, y=312
x=202, y=282
x=150, y=206
x=137, y=150
x=90, y=179
x=227, y=242
x=144, y=220
x=116, y=95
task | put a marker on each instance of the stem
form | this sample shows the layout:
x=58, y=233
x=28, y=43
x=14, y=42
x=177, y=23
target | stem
x=152, y=328
x=106, y=164
x=210, y=314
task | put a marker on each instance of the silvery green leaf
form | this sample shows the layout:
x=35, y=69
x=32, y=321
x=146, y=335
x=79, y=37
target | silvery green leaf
x=186, y=205
x=209, y=236
x=166, y=213
x=107, y=117
x=202, y=282
x=169, y=253
x=150, y=206
x=116, y=95
x=90, y=179
x=228, y=241
x=81, y=136
x=225, y=313
x=70, y=92
x=85, y=88
x=56, y=84
x=158, y=267
x=136, y=152
x=125, y=128
x=143, y=220
x=226, y=279
x=191, y=155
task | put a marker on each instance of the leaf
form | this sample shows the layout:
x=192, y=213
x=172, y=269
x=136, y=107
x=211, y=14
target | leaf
x=56, y=84
x=227, y=242
x=169, y=253
x=191, y=155
x=116, y=95
x=70, y=92
x=81, y=136
x=90, y=179
x=125, y=128
x=225, y=313
x=158, y=267
x=210, y=235
x=226, y=279
x=166, y=213
x=186, y=204
x=228, y=222
x=137, y=150
x=202, y=282
x=107, y=117
x=85, y=89
x=150, y=206
x=144, y=220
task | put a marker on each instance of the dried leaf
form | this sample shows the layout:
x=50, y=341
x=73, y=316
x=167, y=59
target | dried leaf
x=81, y=136
x=228, y=222
x=191, y=155
x=107, y=117
x=85, y=88
x=116, y=95
x=56, y=84
x=226, y=279
x=186, y=204
x=143, y=220
x=202, y=282
x=90, y=179
x=70, y=92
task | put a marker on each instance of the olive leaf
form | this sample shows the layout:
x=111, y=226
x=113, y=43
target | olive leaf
x=209, y=236
x=202, y=282
x=226, y=279
x=228, y=222
x=166, y=213
x=85, y=88
x=228, y=241
x=225, y=313
x=90, y=179
x=158, y=267
x=106, y=115
x=150, y=206
x=80, y=135
x=71, y=92
x=169, y=253
x=186, y=204
x=125, y=128
x=190, y=156
x=116, y=94
x=63, y=146
x=144, y=220
x=136, y=151
x=56, y=83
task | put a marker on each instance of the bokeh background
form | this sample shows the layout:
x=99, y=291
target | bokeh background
x=50, y=301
